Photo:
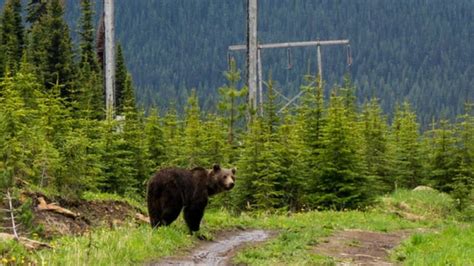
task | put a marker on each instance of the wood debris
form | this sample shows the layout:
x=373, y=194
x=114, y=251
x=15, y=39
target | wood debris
x=43, y=206
x=28, y=243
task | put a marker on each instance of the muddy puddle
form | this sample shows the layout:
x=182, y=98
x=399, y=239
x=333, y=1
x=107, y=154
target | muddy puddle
x=219, y=251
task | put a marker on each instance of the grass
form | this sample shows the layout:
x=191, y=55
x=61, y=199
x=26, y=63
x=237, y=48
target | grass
x=122, y=246
x=297, y=234
x=93, y=196
x=453, y=245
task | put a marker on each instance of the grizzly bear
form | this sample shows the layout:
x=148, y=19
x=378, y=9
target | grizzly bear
x=173, y=189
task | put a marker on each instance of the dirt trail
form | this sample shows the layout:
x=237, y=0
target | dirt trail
x=357, y=247
x=220, y=251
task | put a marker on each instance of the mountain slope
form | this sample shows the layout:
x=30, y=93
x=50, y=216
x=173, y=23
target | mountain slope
x=417, y=50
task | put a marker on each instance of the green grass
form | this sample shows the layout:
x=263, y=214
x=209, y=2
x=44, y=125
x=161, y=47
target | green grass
x=453, y=245
x=424, y=204
x=296, y=235
x=122, y=246
x=94, y=196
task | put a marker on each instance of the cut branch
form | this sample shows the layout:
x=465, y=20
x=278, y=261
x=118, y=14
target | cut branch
x=43, y=206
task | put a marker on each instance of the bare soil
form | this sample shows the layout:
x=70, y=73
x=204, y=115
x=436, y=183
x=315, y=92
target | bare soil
x=356, y=247
x=90, y=214
x=219, y=251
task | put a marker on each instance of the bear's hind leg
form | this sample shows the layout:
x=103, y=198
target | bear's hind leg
x=171, y=205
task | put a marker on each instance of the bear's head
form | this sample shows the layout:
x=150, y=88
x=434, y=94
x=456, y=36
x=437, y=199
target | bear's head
x=221, y=178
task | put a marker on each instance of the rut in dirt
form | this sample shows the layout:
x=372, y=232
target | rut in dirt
x=220, y=251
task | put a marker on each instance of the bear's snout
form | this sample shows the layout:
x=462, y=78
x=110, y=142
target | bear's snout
x=231, y=185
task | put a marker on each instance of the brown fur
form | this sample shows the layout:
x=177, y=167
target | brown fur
x=172, y=189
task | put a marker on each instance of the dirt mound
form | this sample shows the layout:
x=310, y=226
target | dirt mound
x=361, y=247
x=88, y=214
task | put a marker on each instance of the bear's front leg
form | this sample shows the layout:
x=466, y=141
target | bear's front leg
x=193, y=214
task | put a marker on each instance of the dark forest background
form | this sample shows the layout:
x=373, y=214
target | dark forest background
x=415, y=50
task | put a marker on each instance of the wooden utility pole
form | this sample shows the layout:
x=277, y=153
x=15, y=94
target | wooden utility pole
x=252, y=52
x=109, y=56
x=258, y=76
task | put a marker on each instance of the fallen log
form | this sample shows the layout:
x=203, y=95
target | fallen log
x=43, y=206
x=142, y=218
x=27, y=243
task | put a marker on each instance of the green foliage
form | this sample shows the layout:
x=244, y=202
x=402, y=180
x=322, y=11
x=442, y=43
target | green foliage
x=342, y=182
x=124, y=246
x=375, y=147
x=452, y=246
x=405, y=141
x=12, y=38
x=50, y=50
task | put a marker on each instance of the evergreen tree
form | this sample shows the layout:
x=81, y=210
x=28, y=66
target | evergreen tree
x=36, y=9
x=269, y=189
x=172, y=138
x=90, y=93
x=193, y=135
x=405, y=138
x=463, y=183
x=342, y=182
x=154, y=138
x=375, y=146
x=443, y=165
x=88, y=54
x=310, y=120
x=250, y=165
x=118, y=165
x=51, y=52
x=121, y=76
x=230, y=103
x=11, y=37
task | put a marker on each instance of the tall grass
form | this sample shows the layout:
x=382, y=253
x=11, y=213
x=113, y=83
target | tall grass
x=122, y=246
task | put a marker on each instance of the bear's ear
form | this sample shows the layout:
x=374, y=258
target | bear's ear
x=216, y=168
x=234, y=170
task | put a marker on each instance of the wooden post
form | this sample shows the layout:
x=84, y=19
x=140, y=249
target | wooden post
x=320, y=65
x=260, y=82
x=109, y=57
x=252, y=47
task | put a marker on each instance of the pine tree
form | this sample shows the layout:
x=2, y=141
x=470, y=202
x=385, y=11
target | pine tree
x=90, y=93
x=118, y=165
x=250, y=165
x=443, y=165
x=463, y=183
x=121, y=76
x=36, y=9
x=172, y=137
x=230, y=104
x=88, y=54
x=342, y=182
x=11, y=37
x=193, y=135
x=405, y=140
x=51, y=52
x=269, y=189
x=375, y=146
x=154, y=138
x=311, y=119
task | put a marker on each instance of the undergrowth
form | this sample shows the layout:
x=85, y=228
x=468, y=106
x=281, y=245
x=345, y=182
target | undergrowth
x=296, y=235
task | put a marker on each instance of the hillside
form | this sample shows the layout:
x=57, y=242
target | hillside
x=416, y=50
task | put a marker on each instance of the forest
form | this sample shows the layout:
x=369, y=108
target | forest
x=417, y=51
x=333, y=151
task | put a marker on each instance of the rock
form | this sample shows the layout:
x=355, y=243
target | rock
x=423, y=188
